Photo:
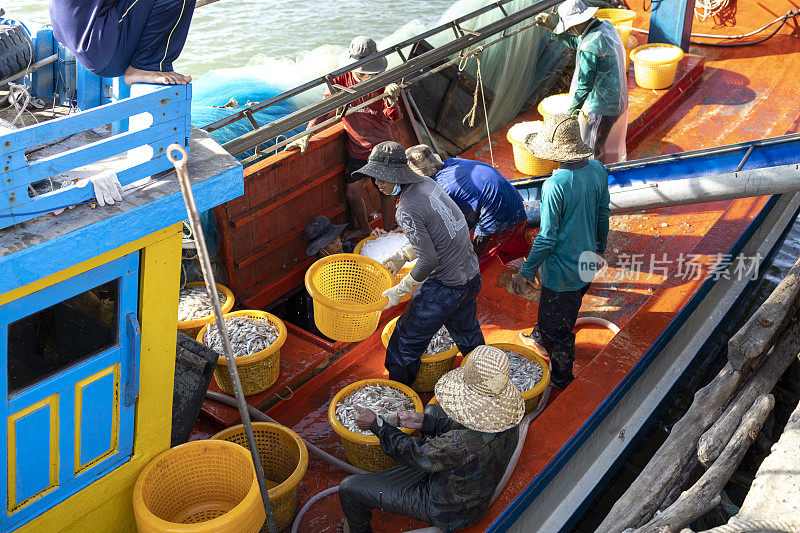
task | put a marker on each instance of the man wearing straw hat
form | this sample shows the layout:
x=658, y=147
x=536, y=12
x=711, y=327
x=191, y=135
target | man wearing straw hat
x=599, y=85
x=573, y=231
x=447, y=477
x=492, y=206
x=446, y=269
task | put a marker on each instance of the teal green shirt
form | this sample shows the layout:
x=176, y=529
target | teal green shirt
x=599, y=84
x=574, y=220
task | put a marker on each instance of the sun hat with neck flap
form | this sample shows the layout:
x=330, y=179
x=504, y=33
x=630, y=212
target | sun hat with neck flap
x=571, y=13
x=559, y=140
x=388, y=163
x=479, y=394
x=361, y=47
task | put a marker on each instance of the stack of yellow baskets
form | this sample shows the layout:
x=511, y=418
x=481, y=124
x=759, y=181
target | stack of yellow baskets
x=433, y=366
x=621, y=19
x=257, y=371
x=364, y=451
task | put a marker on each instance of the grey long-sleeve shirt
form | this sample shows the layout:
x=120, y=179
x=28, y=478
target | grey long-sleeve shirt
x=437, y=230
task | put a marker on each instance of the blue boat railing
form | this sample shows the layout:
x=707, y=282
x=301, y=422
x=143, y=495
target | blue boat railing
x=170, y=109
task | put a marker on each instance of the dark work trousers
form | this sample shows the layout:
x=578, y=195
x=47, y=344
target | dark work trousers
x=108, y=36
x=558, y=312
x=432, y=306
x=401, y=490
x=606, y=123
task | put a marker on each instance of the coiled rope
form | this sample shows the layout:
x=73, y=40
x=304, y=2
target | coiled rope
x=756, y=526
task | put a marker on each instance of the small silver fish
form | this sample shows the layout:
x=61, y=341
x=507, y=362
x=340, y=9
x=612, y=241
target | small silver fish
x=247, y=335
x=382, y=399
x=193, y=302
x=441, y=342
x=523, y=372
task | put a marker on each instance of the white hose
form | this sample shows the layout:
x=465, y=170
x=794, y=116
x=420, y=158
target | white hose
x=309, y=503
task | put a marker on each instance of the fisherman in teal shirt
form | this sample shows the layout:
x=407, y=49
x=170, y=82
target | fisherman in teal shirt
x=574, y=228
x=599, y=86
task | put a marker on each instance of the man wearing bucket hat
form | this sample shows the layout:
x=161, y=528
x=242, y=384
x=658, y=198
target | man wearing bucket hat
x=446, y=267
x=492, y=206
x=365, y=128
x=448, y=475
x=573, y=232
x=325, y=237
x=599, y=85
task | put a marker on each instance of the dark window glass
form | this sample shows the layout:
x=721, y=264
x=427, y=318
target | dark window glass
x=55, y=338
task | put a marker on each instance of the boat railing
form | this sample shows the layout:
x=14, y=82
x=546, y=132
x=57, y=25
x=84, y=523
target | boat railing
x=409, y=71
x=132, y=155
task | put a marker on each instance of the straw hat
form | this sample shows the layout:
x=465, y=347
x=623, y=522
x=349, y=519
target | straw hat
x=361, y=47
x=423, y=160
x=571, y=13
x=388, y=163
x=479, y=395
x=559, y=140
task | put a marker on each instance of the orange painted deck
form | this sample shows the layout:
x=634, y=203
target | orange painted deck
x=737, y=94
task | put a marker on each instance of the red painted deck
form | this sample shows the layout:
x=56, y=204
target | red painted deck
x=740, y=94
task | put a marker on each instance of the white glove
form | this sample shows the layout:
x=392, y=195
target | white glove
x=400, y=258
x=393, y=90
x=107, y=187
x=396, y=293
x=546, y=20
x=301, y=143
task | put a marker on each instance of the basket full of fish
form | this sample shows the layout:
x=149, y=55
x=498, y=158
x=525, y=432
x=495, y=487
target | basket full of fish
x=437, y=360
x=382, y=247
x=256, y=338
x=383, y=396
x=528, y=371
x=194, y=306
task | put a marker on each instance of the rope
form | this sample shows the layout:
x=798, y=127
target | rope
x=469, y=118
x=754, y=526
x=704, y=9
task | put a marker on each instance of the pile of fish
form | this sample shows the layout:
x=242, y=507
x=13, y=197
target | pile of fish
x=441, y=342
x=193, y=302
x=381, y=399
x=524, y=373
x=382, y=248
x=247, y=335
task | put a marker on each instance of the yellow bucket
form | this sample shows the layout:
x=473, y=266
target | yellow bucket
x=364, y=451
x=284, y=458
x=197, y=487
x=621, y=19
x=559, y=100
x=655, y=74
x=630, y=45
x=191, y=327
x=347, y=290
x=433, y=366
x=400, y=273
x=257, y=371
x=527, y=163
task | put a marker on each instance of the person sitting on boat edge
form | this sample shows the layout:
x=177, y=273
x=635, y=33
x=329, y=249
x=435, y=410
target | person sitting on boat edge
x=492, y=206
x=139, y=39
x=446, y=269
x=365, y=128
x=574, y=229
x=599, y=85
x=448, y=475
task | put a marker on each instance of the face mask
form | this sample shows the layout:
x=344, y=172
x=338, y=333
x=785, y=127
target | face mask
x=396, y=190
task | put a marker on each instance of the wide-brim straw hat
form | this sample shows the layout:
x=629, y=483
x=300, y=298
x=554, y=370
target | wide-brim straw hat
x=388, y=163
x=559, y=140
x=479, y=394
x=571, y=13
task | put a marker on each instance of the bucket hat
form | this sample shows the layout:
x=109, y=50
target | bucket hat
x=479, y=394
x=559, y=140
x=571, y=13
x=422, y=160
x=388, y=162
x=321, y=232
x=361, y=47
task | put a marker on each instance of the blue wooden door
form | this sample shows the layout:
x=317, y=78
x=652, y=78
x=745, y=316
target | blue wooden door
x=69, y=385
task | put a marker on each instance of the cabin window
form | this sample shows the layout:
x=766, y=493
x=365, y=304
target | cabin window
x=62, y=335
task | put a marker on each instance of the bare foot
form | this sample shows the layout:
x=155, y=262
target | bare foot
x=135, y=75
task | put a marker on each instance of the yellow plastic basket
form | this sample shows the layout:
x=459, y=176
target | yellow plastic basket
x=433, y=366
x=364, y=451
x=545, y=103
x=201, y=486
x=527, y=163
x=347, y=290
x=655, y=74
x=191, y=327
x=621, y=19
x=630, y=45
x=284, y=458
x=403, y=272
x=257, y=371
x=531, y=396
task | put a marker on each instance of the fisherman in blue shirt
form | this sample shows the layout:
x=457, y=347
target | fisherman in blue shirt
x=137, y=38
x=574, y=229
x=492, y=206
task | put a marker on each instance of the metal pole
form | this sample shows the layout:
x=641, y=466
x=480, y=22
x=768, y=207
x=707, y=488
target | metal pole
x=208, y=276
x=422, y=121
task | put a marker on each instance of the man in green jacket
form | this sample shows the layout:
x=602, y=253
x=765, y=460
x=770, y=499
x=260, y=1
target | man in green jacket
x=599, y=85
x=573, y=231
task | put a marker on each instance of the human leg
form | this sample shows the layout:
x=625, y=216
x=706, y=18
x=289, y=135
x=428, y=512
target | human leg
x=558, y=311
x=601, y=149
x=463, y=323
x=399, y=490
x=355, y=199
